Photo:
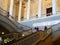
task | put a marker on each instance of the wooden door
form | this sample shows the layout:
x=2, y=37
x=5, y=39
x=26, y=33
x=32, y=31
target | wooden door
x=49, y=11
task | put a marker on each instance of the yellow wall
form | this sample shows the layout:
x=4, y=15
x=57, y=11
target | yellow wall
x=46, y=4
x=58, y=6
x=22, y=13
x=34, y=9
x=15, y=11
x=5, y=4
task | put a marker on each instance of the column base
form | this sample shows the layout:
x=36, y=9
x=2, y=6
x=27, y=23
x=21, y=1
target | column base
x=11, y=18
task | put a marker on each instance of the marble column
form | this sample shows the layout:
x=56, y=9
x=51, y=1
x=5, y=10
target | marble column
x=39, y=8
x=19, y=13
x=28, y=10
x=11, y=7
x=53, y=7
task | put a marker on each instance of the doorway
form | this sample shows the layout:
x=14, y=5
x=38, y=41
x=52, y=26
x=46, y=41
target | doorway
x=49, y=11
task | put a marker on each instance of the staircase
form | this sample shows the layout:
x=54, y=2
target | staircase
x=37, y=38
x=10, y=23
x=47, y=37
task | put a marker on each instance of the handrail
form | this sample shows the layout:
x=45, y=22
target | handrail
x=25, y=25
x=46, y=36
x=3, y=10
x=14, y=20
x=43, y=38
x=53, y=26
x=28, y=36
x=9, y=20
x=25, y=38
x=22, y=39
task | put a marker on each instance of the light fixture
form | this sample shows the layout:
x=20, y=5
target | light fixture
x=22, y=34
x=3, y=33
